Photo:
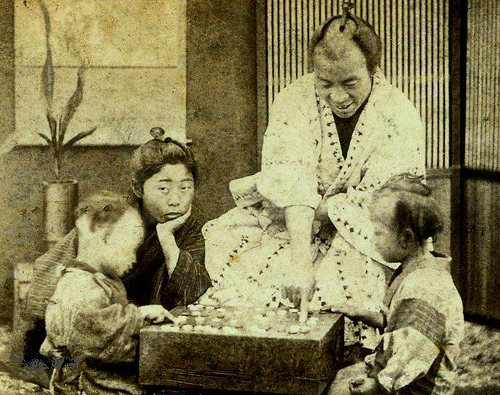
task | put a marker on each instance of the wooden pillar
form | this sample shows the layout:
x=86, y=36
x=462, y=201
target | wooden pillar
x=458, y=63
x=221, y=97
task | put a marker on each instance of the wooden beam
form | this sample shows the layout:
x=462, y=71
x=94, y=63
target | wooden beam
x=262, y=93
x=458, y=63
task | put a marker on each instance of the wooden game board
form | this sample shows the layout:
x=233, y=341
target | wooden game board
x=240, y=349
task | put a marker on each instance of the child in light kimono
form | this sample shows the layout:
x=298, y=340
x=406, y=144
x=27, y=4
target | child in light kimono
x=423, y=323
x=92, y=330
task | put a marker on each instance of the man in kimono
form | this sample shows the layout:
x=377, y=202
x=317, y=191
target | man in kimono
x=301, y=224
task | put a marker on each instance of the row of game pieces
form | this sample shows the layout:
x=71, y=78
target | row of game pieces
x=200, y=314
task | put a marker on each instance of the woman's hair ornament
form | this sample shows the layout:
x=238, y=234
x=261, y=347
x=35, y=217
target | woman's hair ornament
x=157, y=133
x=151, y=156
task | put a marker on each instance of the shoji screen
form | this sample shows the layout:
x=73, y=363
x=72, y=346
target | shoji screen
x=482, y=137
x=415, y=57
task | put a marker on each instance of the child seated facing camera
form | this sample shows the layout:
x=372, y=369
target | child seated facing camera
x=423, y=323
x=92, y=330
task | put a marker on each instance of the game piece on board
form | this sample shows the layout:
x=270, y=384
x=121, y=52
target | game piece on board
x=211, y=329
x=305, y=329
x=294, y=329
x=229, y=330
x=257, y=330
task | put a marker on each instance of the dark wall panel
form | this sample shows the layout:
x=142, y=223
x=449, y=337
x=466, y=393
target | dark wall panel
x=482, y=252
x=221, y=97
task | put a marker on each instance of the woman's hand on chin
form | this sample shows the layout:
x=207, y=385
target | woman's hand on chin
x=168, y=244
x=168, y=228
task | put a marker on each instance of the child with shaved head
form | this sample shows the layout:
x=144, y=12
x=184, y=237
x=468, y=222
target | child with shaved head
x=92, y=330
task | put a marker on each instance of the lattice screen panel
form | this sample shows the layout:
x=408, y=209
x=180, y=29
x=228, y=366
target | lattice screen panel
x=415, y=56
x=482, y=137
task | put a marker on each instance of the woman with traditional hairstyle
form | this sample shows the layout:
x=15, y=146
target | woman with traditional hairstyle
x=169, y=268
x=301, y=224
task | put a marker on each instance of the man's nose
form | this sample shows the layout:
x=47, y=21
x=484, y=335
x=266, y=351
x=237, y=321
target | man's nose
x=338, y=95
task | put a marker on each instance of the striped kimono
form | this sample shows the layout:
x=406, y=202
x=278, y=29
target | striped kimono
x=248, y=248
x=425, y=325
x=149, y=282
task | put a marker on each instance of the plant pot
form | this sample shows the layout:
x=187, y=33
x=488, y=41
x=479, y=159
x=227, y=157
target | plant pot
x=61, y=199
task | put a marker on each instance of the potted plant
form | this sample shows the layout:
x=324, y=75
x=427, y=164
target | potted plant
x=61, y=195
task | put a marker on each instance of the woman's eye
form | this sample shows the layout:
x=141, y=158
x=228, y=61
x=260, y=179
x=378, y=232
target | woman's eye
x=163, y=189
x=350, y=83
x=186, y=188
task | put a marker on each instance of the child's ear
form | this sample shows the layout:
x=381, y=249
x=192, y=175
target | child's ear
x=406, y=238
x=137, y=188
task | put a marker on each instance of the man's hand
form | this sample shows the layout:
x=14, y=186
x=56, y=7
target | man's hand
x=299, y=287
x=156, y=313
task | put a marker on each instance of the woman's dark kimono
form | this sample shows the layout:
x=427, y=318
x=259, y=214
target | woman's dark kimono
x=149, y=282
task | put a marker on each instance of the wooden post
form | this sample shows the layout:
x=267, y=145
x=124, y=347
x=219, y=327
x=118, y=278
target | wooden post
x=458, y=63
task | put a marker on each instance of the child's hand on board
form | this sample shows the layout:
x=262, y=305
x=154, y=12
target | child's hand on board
x=156, y=314
x=349, y=310
x=366, y=386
